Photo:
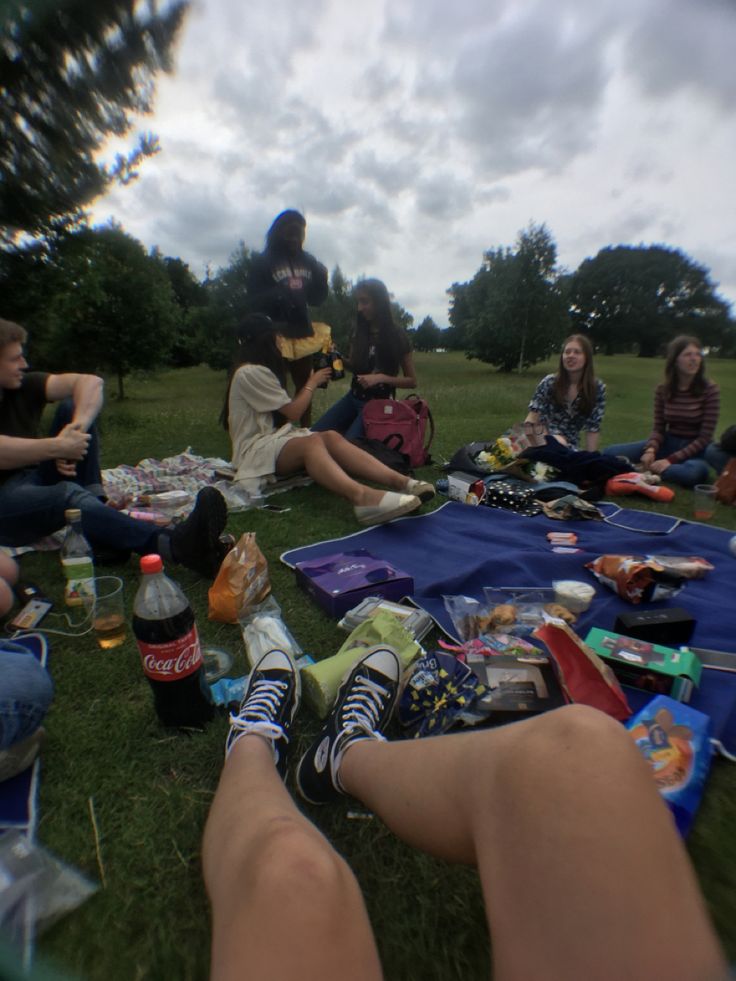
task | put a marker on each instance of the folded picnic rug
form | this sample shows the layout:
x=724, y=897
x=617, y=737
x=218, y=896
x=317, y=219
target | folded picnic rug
x=459, y=550
x=18, y=795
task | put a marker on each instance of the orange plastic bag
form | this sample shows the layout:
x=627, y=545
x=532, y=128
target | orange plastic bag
x=241, y=582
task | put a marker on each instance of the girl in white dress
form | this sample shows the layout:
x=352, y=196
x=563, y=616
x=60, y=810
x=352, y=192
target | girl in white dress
x=260, y=416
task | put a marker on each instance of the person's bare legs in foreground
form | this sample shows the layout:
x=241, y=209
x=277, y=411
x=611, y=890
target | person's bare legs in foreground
x=583, y=873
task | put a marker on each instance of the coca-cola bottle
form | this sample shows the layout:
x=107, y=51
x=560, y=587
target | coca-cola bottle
x=164, y=628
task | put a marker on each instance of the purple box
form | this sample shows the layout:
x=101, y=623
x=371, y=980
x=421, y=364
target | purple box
x=339, y=582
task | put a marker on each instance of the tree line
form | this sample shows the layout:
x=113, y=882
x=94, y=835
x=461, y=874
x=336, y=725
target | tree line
x=76, y=72
x=519, y=305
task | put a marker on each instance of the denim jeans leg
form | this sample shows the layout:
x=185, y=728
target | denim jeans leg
x=716, y=457
x=632, y=451
x=689, y=472
x=26, y=691
x=340, y=416
x=30, y=510
x=357, y=428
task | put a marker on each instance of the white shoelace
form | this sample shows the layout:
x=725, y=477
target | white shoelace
x=257, y=714
x=363, y=708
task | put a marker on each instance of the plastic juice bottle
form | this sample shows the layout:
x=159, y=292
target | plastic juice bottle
x=77, y=561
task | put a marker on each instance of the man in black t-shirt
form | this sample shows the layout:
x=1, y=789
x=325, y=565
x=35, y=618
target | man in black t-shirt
x=42, y=476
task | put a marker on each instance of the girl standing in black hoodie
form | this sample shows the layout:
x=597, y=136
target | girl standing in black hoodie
x=283, y=282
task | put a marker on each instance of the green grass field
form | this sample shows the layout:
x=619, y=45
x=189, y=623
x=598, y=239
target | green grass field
x=151, y=789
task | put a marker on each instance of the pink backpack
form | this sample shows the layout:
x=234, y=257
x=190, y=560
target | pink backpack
x=401, y=424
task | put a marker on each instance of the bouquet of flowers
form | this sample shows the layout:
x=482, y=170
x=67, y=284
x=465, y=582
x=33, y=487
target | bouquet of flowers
x=507, y=453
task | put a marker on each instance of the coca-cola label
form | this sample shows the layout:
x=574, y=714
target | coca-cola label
x=173, y=660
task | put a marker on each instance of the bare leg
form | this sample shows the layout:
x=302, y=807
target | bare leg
x=8, y=578
x=312, y=453
x=583, y=872
x=362, y=464
x=284, y=903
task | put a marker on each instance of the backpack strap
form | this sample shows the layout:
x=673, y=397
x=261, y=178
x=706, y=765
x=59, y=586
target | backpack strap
x=412, y=399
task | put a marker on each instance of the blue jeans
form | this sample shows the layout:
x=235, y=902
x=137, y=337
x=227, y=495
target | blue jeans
x=687, y=474
x=26, y=691
x=33, y=501
x=345, y=416
x=716, y=457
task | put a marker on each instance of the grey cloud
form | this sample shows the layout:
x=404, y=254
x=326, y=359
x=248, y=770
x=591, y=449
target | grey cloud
x=516, y=118
x=388, y=174
x=681, y=43
x=442, y=196
x=431, y=21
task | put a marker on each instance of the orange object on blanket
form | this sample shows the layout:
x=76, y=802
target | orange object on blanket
x=584, y=677
x=634, y=483
x=242, y=581
x=647, y=578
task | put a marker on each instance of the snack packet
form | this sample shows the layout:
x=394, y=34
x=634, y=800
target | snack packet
x=439, y=692
x=675, y=740
x=584, y=677
x=638, y=578
x=242, y=581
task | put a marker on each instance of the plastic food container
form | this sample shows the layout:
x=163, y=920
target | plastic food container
x=576, y=596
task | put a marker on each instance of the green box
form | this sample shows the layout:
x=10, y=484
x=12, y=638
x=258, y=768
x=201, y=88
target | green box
x=650, y=667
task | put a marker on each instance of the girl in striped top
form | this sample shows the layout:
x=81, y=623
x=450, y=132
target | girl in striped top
x=686, y=409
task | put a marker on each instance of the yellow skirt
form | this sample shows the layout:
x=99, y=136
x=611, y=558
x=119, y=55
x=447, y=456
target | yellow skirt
x=295, y=348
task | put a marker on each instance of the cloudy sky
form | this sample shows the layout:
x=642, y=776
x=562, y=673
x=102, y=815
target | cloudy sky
x=415, y=134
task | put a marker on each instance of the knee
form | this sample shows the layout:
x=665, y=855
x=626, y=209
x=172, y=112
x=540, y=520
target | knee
x=575, y=736
x=332, y=438
x=293, y=861
x=25, y=680
x=6, y=597
x=8, y=569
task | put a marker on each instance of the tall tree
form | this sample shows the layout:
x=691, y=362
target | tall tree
x=338, y=310
x=512, y=312
x=227, y=304
x=644, y=296
x=427, y=336
x=109, y=306
x=191, y=298
x=72, y=73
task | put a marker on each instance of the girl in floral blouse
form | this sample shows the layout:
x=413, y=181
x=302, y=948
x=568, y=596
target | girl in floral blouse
x=571, y=401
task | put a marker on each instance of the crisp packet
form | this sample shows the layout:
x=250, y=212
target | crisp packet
x=440, y=691
x=647, y=578
x=585, y=678
x=675, y=741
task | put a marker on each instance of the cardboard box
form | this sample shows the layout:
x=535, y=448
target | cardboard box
x=339, y=582
x=459, y=484
x=650, y=667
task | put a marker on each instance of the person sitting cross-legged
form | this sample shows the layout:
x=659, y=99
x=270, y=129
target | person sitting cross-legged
x=544, y=808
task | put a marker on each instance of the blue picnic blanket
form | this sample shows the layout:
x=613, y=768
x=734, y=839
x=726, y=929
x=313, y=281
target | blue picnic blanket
x=459, y=550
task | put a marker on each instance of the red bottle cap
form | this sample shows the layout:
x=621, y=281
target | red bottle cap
x=151, y=563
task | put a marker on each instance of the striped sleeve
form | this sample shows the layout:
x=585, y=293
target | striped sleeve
x=711, y=404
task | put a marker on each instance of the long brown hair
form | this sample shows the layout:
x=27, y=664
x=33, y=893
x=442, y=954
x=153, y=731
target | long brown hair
x=674, y=349
x=388, y=344
x=587, y=379
x=256, y=344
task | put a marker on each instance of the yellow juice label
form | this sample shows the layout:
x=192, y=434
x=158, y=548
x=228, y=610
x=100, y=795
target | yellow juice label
x=80, y=579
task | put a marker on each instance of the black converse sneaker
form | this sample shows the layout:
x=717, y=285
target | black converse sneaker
x=195, y=543
x=269, y=705
x=362, y=710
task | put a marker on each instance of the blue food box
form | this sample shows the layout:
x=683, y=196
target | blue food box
x=675, y=741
